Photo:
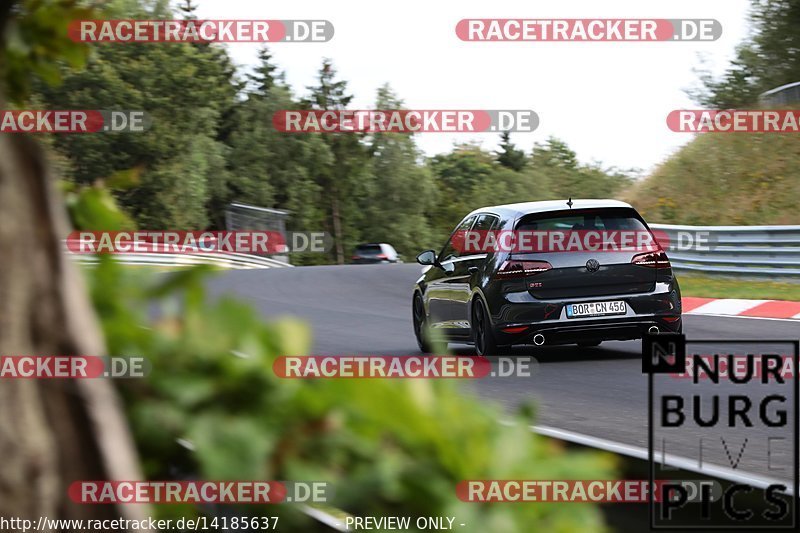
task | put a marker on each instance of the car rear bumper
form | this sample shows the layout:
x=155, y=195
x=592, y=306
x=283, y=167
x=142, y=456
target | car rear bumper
x=605, y=330
x=659, y=308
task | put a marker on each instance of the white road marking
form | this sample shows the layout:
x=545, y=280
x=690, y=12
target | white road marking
x=684, y=463
x=793, y=319
x=727, y=306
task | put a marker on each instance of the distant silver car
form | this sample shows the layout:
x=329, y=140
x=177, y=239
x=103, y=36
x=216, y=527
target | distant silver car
x=372, y=253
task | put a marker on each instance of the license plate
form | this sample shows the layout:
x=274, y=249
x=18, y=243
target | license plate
x=616, y=307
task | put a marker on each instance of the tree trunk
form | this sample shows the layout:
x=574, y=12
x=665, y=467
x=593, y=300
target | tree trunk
x=52, y=432
x=337, y=225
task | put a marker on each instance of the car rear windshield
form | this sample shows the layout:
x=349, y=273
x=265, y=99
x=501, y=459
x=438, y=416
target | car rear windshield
x=582, y=219
x=369, y=249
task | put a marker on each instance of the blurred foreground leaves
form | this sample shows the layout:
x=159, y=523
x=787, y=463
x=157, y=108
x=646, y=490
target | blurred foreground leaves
x=36, y=42
x=394, y=447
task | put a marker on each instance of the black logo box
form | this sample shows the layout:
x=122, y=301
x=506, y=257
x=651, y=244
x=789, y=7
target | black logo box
x=651, y=344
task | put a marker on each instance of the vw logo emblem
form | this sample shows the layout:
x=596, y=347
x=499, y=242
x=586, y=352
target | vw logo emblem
x=592, y=265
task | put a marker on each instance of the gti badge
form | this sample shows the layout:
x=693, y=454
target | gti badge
x=592, y=265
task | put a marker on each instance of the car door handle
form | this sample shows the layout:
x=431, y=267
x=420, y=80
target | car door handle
x=472, y=270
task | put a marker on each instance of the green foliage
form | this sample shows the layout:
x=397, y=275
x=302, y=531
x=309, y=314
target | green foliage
x=469, y=178
x=36, y=42
x=186, y=89
x=768, y=59
x=329, y=93
x=272, y=168
x=345, y=179
x=402, y=192
x=94, y=209
x=460, y=175
x=720, y=287
x=265, y=75
x=736, y=179
x=389, y=447
x=212, y=143
x=569, y=178
x=509, y=156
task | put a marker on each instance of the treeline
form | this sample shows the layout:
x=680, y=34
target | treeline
x=767, y=59
x=212, y=142
x=743, y=178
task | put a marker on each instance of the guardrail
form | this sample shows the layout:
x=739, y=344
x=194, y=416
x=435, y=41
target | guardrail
x=758, y=251
x=222, y=260
x=783, y=95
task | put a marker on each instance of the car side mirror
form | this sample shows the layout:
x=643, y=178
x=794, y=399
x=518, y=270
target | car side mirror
x=428, y=257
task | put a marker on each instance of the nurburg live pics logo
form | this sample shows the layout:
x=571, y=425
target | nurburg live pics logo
x=732, y=412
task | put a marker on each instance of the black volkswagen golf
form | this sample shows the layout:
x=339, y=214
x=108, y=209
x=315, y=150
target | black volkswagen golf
x=552, y=272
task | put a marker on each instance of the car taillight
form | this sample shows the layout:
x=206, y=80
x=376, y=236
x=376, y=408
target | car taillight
x=520, y=269
x=651, y=259
x=513, y=330
x=382, y=256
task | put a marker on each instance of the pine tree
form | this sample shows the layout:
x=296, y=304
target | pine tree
x=264, y=75
x=509, y=156
x=344, y=179
x=188, y=8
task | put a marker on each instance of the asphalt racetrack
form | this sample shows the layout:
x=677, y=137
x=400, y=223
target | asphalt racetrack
x=596, y=392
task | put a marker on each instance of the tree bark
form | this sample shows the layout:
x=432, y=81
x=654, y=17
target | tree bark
x=337, y=224
x=52, y=432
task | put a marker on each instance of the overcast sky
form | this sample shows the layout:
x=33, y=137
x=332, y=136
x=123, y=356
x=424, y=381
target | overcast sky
x=608, y=101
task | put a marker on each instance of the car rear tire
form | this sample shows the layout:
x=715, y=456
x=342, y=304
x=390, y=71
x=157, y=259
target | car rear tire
x=482, y=335
x=420, y=325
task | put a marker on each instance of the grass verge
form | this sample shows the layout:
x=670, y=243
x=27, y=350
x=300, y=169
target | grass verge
x=707, y=287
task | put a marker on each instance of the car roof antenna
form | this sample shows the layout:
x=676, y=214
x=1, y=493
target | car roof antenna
x=569, y=202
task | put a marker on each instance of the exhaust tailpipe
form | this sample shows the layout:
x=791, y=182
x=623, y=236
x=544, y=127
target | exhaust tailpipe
x=538, y=339
x=653, y=330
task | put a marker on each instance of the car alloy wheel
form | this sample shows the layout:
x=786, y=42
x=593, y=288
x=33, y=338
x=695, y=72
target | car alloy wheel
x=482, y=331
